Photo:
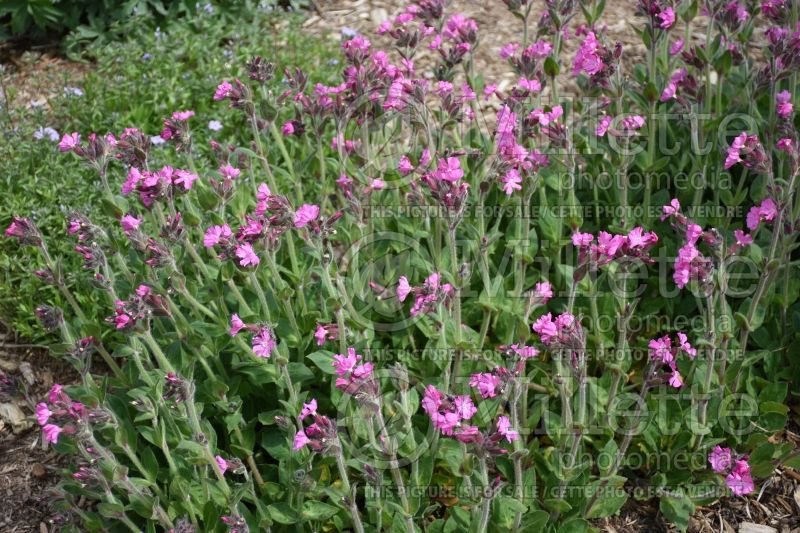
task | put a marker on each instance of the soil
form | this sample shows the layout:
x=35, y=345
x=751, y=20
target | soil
x=29, y=470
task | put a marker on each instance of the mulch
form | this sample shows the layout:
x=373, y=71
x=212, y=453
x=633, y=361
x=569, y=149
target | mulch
x=29, y=470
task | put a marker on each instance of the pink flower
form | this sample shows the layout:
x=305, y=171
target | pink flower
x=511, y=181
x=229, y=172
x=307, y=213
x=222, y=464
x=546, y=328
x=182, y=116
x=300, y=440
x=185, y=178
x=633, y=122
x=524, y=352
x=764, y=212
x=673, y=208
x=449, y=170
x=320, y=334
x=43, y=414
x=129, y=223
x=51, y=433
x=464, y=407
x=581, y=240
x=678, y=77
x=264, y=343
x=247, y=255
x=742, y=238
x=661, y=349
x=720, y=459
x=287, y=128
x=675, y=380
x=667, y=18
x=542, y=292
x=739, y=480
x=783, y=102
x=467, y=434
x=143, y=291
x=508, y=50
x=344, y=364
x=486, y=384
x=733, y=155
x=676, y=47
x=236, y=325
x=309, y=409
x=587, y=59
x=223, y=91
x=684, y=345
x=602, y=126
x=403, y=288
x=69, y=142
x=504, y=428
x=785, y=145
x=56, y=392
x=215, y=234
x=404, y=166
x=531, y=85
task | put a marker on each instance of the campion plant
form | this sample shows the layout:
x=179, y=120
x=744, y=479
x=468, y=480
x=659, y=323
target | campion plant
x=418, y=301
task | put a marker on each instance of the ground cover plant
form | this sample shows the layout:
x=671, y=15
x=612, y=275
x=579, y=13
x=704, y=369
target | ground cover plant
x=136, y=81
x=431, y=304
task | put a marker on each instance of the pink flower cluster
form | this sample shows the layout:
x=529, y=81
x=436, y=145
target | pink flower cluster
x=736, y=470
x=59, y=409
x=608, y=247
x=24, y=230
x=427, y=297
x=140, y=306
x=351, y=373
x=263, y=341
x=515, y=159
x=447, y=412
x=563, y=331
x=160, y=184
x=490, y=384
x=664, y=352
x=320, y=436
x=747, y=150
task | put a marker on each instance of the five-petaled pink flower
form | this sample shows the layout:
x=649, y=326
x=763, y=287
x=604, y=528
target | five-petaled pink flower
x=247, y=255
x=69, y=141
x=51, y=433
x=130, y=224
x=306, y=214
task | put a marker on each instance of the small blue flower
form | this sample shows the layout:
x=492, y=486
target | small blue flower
x=349, y=32
x=48, y=133
x=214, y=125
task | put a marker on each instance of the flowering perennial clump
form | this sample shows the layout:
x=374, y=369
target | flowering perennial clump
x=412, y=280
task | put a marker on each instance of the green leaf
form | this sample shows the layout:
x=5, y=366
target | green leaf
x=535, y=521
x=323, y=359
x=677, y=509
x=576, y=525
x=319, y=511
x=282, y=513
x=505, y=509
